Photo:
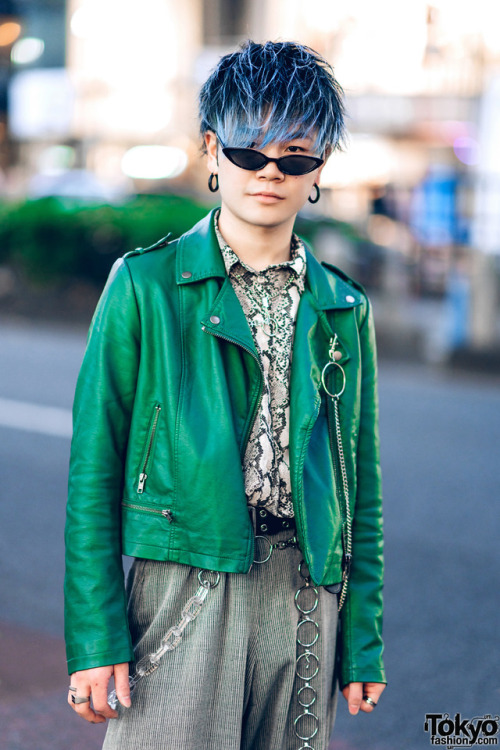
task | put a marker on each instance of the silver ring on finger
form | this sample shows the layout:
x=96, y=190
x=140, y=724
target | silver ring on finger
x=76, y=699
x=368, y=700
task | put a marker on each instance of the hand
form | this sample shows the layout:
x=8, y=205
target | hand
x=94, y=683
x=354, y=692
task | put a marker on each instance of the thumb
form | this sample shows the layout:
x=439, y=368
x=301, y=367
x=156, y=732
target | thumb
x=354, y=697
x=122, y=685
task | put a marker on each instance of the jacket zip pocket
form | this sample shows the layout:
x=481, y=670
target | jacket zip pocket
x=149, y=447
x=165, y=512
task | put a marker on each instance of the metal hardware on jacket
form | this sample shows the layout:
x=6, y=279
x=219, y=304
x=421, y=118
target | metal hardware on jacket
x=165, y=401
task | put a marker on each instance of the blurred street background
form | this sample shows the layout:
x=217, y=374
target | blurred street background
x=99, y=153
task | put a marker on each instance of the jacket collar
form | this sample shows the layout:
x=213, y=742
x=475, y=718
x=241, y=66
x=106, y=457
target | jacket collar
x=329, y=290
x=199, y=257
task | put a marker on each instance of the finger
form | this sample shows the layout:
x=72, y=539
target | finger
x=122, y=685
x=355, y=697
x=375, y=688
x=100, y=700
x=371, y=691
x=366, y=706
x=85, y=709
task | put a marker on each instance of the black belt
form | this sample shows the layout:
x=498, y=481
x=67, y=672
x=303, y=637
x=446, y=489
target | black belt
x=266, y=524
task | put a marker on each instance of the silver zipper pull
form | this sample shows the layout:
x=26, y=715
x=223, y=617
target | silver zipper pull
x=331, y=351
x=142, y=482
x=168, y=515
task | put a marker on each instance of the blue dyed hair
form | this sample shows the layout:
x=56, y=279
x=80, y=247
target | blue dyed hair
x=270, y=92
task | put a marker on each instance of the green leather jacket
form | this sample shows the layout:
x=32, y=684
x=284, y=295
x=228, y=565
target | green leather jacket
x=167, y=394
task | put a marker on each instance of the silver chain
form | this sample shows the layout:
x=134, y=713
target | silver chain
x=306, y=725
x=307, y=663
x=348, y=523
x=347, y=526
x=149, y=663
x=292, y=542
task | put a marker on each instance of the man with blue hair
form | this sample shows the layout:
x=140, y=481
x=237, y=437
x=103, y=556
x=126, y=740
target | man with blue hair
x=226, y=437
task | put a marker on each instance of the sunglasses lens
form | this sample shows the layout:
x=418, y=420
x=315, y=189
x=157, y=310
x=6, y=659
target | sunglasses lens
x=297, y=165
x=245, y=158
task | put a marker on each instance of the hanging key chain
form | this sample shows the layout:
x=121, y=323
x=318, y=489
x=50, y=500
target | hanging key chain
x=335, y=355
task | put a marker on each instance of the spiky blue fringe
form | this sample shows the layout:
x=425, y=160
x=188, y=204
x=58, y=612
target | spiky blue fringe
x=266, y=93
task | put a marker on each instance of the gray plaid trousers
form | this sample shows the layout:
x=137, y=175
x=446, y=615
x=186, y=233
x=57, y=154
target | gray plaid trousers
x=231, y=684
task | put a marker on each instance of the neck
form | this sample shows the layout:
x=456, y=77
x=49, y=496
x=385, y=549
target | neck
x=257, y=246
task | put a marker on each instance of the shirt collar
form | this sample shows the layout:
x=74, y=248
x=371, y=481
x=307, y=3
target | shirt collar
x=297, y=262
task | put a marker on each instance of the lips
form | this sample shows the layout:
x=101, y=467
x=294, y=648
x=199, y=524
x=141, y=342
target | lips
x=262, y=194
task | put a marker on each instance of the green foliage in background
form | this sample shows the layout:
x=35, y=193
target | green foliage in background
x=51, y=239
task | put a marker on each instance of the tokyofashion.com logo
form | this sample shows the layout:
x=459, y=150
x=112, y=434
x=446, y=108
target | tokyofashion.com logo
x=457, y=732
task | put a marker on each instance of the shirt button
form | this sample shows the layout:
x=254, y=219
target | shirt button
x=350, y=298
x=186, y=274
x=262, y=513
x=214, y=319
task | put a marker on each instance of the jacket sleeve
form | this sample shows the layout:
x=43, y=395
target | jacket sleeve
x=96, y=626
x=361, y=617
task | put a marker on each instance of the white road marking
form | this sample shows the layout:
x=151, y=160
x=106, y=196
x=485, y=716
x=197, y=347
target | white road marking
x=46, y=420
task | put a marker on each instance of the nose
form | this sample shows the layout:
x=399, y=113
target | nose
x=270, y=172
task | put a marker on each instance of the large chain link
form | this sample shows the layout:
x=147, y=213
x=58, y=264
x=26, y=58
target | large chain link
x=149, y=663
x=306, y=724
x=292, y=542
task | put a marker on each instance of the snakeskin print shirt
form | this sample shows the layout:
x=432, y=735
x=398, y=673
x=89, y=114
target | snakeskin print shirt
x=270, y=300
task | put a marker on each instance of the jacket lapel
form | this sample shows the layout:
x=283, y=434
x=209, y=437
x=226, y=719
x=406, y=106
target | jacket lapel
x=227, y=319
x=199, y=258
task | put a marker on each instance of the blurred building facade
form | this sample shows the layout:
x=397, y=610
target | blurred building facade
x=92, y=82
x=414, y=74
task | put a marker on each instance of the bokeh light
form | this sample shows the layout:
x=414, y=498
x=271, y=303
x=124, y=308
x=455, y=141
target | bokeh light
x=9, y=32
x=466, y=150
x=154, y=162
x=27, y=50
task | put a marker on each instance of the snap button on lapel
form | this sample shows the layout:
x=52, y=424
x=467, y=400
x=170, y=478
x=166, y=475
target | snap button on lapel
x=350, y=298
x=186, y=274
x=214, y=319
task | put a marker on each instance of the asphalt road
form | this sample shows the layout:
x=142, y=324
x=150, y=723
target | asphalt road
x=440, y=448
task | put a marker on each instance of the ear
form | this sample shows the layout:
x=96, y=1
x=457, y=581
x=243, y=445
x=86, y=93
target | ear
x=211, y=144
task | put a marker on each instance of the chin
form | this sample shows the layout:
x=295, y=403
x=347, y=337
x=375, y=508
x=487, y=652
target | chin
x=269, y=216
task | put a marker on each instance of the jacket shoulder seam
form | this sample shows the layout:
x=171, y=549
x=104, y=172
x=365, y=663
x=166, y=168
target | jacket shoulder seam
x=155, y=246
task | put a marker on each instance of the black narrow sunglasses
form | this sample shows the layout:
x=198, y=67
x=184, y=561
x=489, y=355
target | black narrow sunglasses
x=248, y=158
